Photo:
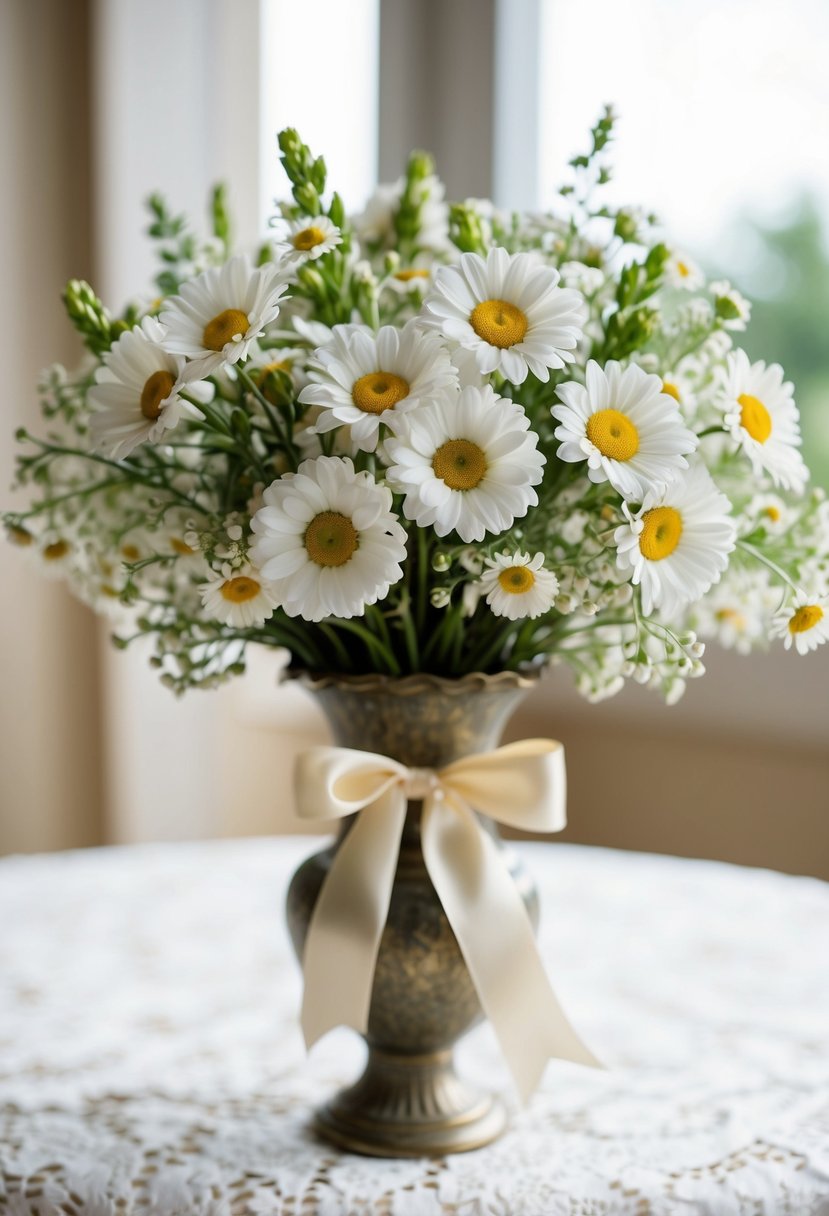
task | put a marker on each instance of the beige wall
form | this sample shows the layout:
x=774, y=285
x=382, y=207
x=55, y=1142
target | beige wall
x=49, y=727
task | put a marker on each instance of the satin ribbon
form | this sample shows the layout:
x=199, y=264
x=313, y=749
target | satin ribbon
x=522, y=785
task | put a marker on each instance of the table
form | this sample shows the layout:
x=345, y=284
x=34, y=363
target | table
x=150, y=1060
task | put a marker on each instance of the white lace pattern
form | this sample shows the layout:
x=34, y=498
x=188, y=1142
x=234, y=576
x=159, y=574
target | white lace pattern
x=151, y=1062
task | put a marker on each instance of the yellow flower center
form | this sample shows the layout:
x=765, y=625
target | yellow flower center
x=733, y=617
x=331, y=539
x=498, y=322
x=754, y=417
x=262, y=373
x=130, y=552
x=20, y=536
x=613, y=433
x=772, y=513
x=460, y=463
x=178, y=546
x=155, y=391
x=224, y=327
x=671, y=389
x=240, y=589
x=516, y=580
x=57, y=550
x=806, y=618
x=308, y=238
x=406, y=276
x=683, y=269
x=262, y=379
x=660, y=534
x=379, y=391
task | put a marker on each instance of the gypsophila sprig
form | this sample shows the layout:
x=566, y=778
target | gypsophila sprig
x=427, y=437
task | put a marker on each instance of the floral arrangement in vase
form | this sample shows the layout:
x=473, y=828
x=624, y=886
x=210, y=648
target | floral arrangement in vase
x=428, y=437
x=435, y=447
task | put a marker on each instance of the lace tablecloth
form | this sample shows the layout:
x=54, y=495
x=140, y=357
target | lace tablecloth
x=150, y=1060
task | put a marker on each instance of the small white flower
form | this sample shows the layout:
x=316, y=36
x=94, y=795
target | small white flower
x=466, y=464
x=57, y=553
x=509, y=310
x=289, y=360
x=409, y=280
x=805, y=623
x=585, y=279
x=680, y=271
x=306, y=239
x=761, y=414
x=677, y=545
x=730, y=306
x=627, y=428
x=328, y=540
x=737, y=610
x=362, y=379
x=238, y=596
x=680, y=387
x=518, y=586
x=136, y=397
x=769, y=512
x=220, y=313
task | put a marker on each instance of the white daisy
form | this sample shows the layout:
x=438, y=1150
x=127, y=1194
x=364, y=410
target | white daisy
x=516, y=585
x=680, y=271
x=328, y=540
x=769, y=512
x=361, y=378
x=805, y=623
x=308, y=238
x=136, y=396
x=466, y=464
x=761, y=414
x=57, y=553
x=509, y=310
x=627, y=428
x=265, y=366
x=408, y=280
x=677, y=544
x=678, y=385
x=737, y=610
x=220, y=313
x=238, y=596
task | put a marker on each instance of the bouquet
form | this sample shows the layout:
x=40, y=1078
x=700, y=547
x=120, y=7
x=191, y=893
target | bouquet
x=430, y=437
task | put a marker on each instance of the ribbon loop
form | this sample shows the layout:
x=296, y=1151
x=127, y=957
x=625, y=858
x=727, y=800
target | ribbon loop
x=523, y=785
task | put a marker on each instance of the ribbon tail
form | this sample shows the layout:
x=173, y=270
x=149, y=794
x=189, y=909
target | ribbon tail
x=348, y=919
x=495, y=936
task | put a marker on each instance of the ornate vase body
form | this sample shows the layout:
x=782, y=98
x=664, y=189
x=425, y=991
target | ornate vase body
x=410, y=1101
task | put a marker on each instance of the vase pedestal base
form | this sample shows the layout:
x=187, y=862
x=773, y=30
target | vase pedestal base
x=410, y=1106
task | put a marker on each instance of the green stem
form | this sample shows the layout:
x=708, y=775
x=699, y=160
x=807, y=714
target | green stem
x=766, y=561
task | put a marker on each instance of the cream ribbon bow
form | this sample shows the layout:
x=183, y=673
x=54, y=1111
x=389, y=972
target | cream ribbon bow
x=522, y=785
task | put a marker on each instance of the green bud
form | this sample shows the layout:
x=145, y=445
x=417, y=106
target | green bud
x=219, y=214
x=308, y=198
x=88, y=315
x=725, y=309
x=336, y=212
x=626, y=226
x=240, y=423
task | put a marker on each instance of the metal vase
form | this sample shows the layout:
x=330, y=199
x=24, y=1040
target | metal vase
x=410, y=1102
